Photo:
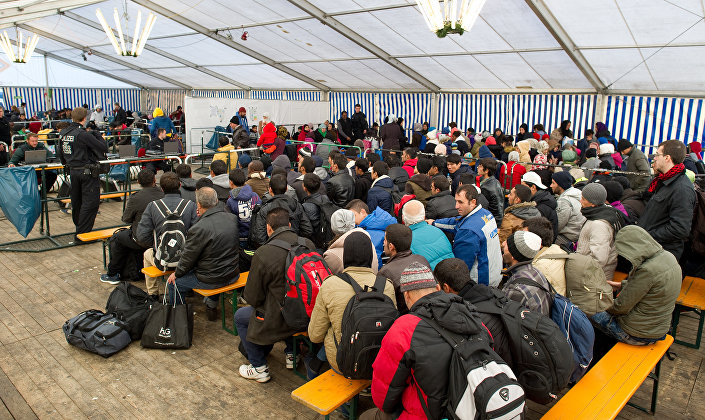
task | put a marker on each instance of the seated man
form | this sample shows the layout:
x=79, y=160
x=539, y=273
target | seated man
x=641, y=312
x=210, y=256
x=333, y=297
x=225, y=155
x=221, y=182
x=342, y=224
x=375, y=223
x=125, y=240
x=241, y=203
x=33, y=144
x=380, y=193
x=262, y=324
x=397, y=246
x=312, y=204
x=442, y=203
x=475, y=237
x=257, y=178
x=151, y=223
x=426, y=240
x=552, y=268
x=414, y=361
x=157, y=144
x=520, y=208
x=188, y=184
x=341, y=187
x=491, y=188
x=519, y=250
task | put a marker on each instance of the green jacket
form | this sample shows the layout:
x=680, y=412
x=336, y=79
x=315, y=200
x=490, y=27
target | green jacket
x=18, y=156
x=648, y=297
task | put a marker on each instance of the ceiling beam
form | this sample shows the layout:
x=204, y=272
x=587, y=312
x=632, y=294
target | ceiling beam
x=353, y=36
x=44, y=6
x=128, y=40
x=104, y=56
x=543, y=13
x=227, y=41
x=82, y=66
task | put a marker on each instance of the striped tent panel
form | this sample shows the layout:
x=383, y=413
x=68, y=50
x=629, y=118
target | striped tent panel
x=224, y=94
x=271, y=95
x=166, y=99
x=412, y=107
x=647, y=120
x=306, y=95
x=129, y=99
x=345, y=101
x=508, y=112
x=71, y=98
x=33, y=96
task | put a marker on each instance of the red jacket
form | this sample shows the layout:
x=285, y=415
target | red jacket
x=414, y=358
x=409, y=166
x=519, y=170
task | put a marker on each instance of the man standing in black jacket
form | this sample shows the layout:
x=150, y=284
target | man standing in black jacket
x=669, y=212
x=345, y=128
x=210, y=256
x=80, y=151
x=341, y=187
x=120, y=115
x=5, y=137
x=359, y=123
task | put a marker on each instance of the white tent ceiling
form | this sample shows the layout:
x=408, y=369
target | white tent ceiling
x=621, y=46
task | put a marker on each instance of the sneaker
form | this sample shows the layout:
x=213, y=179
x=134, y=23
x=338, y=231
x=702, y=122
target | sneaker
x=260, y=374
x=110, y=279
x=289, y=360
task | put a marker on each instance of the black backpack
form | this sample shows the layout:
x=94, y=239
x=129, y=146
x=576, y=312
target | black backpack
x=129, y=304
x=477, y=371
x=99, y=333
x=542, y=358
x=170, y=243
x=368, y=316
x=323, y=234
x=396, y=195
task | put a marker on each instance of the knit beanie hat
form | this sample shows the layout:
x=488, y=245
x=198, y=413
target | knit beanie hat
x=416, y=276
x=614, y=191
x=595, y=193
x=342, y=221
x=564, y=179
x=242, y=109
x=357, y=250
x=244, y=160
x=318, y=161
x=235, y=120
x=569, y=156
x=523, y=245
x=440, y=149
x=490, y=141
x=624, y=144
x=282, y=161
x=590, y=153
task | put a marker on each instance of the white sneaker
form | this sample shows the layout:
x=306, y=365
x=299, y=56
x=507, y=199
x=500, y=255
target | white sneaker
x=260, y=374
x=289, y=360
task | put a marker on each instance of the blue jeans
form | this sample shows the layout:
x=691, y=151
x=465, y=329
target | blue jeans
x=190, y=282
x=256, y=353
x=608, y=324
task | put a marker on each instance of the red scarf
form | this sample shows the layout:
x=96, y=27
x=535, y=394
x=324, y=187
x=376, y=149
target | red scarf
x=675, y=170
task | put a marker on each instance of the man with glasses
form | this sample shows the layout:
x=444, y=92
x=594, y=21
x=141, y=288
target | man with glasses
x=671, y=199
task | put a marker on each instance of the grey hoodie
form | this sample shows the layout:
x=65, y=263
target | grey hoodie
x=570, y=219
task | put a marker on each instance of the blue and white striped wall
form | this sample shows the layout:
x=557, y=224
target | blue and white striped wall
x=648, y=120
x=129, y=99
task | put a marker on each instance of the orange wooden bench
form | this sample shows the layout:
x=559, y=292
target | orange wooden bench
x=104, y=196
x=100, y=235
x=608, y=386
x=692, y=296
x=329, y=391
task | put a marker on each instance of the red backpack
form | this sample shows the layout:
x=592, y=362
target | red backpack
x=304, y=275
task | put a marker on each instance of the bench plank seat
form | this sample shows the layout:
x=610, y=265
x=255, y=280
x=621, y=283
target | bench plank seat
x=328, y=391
x=241, y=282
x=97, y=235
x=608, y=386
x=692, y=296
x=104, y=196
x=155, y=272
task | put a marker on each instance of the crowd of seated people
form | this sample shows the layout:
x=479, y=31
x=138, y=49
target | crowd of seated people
x=446, y=217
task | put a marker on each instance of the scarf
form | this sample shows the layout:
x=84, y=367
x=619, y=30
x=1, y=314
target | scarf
x=607, y=213
x=540, y=158
x=658, y=181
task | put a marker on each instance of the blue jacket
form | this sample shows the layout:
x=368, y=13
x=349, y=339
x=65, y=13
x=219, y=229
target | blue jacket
x=377, y=196
x=477, y=243
x=161, y=122
x=241, y=202
x=484, y=152
x=431, y=243
x=375, y=223
x=455, y=176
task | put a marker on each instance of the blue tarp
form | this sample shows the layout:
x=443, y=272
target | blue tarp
x=19, y=197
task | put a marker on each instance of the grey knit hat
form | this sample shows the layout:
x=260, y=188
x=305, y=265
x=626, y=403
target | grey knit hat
x=523, y=245
x=595, y=193
x=342, y=221
x=416, y=276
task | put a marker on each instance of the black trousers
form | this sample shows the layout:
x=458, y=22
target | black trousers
x=50, y=175
x=156, y=166
x=120, y=249
x=85, y=199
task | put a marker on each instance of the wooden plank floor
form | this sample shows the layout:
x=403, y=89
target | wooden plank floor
x=41, y=376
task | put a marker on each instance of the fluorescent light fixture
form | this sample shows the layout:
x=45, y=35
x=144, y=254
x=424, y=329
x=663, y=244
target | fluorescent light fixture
x=139, y=40
x=23, y=55
x=455, y=17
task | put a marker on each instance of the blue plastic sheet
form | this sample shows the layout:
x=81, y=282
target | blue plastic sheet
x=213, y=142
x=19, y=197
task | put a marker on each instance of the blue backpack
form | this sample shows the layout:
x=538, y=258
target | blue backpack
x=577, y=328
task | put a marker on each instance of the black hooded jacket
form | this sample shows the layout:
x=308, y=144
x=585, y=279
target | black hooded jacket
x=300, y=222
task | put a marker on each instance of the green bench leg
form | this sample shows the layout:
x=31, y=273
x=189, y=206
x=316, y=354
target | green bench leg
x=676, y=321
x=352, y=413
x=295, y=345
x=232, y=330
x=654, y=393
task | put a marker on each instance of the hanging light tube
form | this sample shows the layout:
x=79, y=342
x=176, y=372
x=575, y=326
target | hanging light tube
x=29, y=48
x=108, y=31
x=23, y=54
x=450, y=16
x=137, y=31
x=145, y=33
x=116, y=18
x=7, y=46
x=472, y=13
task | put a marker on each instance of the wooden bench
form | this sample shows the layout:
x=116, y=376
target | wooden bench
x=100, y=235
x=692, y=296
x=608, y=386
x=105, y=196
x=239, y=284
x=329, y=391
x=303, y=338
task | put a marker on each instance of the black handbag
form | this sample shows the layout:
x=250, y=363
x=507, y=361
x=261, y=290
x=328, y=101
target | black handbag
x=168, y=326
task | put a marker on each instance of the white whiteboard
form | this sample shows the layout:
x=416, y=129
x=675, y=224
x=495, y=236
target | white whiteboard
x=206, y=113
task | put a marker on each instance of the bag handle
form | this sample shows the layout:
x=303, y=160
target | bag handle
x=351, y=281
x=523, y=280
